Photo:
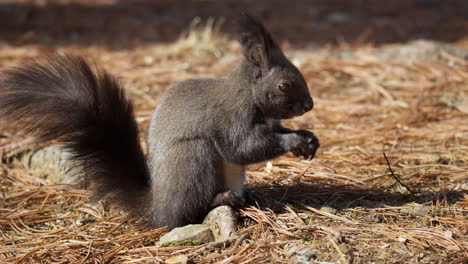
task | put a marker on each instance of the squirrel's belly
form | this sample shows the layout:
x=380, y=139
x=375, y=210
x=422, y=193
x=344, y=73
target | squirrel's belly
x=234, y=176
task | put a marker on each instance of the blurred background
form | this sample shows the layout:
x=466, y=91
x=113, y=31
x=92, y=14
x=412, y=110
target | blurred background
x=303, y=23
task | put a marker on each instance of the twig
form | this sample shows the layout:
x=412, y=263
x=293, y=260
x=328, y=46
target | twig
x=89, y=252
x=220, y=244
x=296, y=178
x=394, y=176
x=331, y=215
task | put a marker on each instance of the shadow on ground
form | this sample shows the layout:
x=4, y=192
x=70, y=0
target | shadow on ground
x=343, y=197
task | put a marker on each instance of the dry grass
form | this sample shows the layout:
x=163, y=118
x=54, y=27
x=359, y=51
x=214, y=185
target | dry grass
x=365, y=106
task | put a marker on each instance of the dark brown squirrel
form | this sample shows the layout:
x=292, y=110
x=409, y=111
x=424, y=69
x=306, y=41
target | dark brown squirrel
x=201, y=135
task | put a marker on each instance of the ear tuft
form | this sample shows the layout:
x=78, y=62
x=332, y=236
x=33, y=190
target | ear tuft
x=256, y=42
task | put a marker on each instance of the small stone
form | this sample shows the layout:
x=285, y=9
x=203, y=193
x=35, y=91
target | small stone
x=422, y=210
x=416, y=209
x=448, y=234
x=268, y=166
x=373, y=218
x=180, y=259
x=222, y=221
x=148, y=60
x=384, y=245
x=300, y=254
x=328, y=209
x=189, y=234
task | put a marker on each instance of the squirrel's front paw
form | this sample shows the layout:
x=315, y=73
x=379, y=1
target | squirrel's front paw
x=302, y=143
x=312, y=140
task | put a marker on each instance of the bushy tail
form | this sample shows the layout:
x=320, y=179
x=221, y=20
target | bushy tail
x=61, y=97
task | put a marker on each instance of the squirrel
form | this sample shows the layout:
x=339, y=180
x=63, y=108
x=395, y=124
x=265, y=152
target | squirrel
x=200, y=137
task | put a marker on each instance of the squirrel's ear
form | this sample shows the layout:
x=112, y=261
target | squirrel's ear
x=257, y=44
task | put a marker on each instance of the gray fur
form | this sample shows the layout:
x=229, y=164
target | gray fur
x=204, y=128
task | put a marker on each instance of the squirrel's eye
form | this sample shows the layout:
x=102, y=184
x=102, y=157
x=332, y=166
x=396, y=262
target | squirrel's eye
x=284, y=87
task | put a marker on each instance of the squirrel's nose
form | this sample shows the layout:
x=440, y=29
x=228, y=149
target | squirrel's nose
x=308, y=106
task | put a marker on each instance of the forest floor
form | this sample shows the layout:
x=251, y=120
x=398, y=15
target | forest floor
x=388, y=185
